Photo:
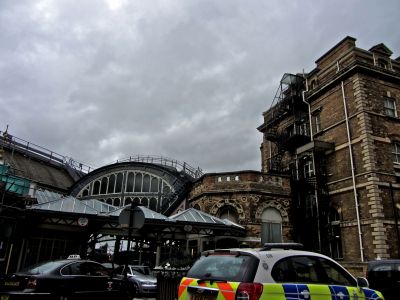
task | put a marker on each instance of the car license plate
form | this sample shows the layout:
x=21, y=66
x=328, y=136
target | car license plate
x=202, y=297
x=11, y=283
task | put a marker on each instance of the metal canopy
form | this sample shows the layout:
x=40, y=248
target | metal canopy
x=188, y=221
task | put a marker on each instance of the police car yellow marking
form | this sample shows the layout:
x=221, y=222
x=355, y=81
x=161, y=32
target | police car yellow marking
x=182, y=291
x=276, y=291
x=226, y=290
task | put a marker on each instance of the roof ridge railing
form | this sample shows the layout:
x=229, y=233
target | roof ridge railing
x=11, y=141
x=165, y=161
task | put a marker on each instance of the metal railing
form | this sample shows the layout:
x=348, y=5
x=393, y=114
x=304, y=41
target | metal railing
x=9, y=141
x=165, y=161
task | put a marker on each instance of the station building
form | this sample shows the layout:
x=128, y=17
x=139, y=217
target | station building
x=329, y=178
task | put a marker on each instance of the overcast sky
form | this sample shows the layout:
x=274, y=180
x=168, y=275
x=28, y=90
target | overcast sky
x=102, y=80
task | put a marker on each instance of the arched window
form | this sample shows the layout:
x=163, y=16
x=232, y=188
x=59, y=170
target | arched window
x=154, y=185
x=145, y=202
x=146, y=183
x=153, y=204
x=130, y=182
x=228, y=212
x=118, y=186
x=166, y=190
x=85, y=192
x=196, y=206
x=111, y=184
x=138, y=183
x=104, y=182
x=271, y=226
x=136, y=200
x=117, y=202
x=96, y=188
x=128, y=201
x=109, y=201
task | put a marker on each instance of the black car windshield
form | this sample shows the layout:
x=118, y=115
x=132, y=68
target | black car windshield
x=224, y=267
x=42, y=268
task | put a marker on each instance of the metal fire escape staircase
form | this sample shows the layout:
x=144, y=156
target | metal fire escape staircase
x=172, y=200
x=287, y=104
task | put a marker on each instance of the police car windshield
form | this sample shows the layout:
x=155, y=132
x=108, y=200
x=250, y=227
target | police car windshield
x=224, y=267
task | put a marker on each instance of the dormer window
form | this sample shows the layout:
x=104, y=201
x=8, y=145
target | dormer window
x=382, y=64
x=313, y=84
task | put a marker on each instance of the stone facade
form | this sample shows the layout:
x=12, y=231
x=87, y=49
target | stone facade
x=245, y=195
x=352, y=97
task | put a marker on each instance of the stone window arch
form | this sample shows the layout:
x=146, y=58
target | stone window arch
x=271, y=226
x=196, y=206
x=229, y=212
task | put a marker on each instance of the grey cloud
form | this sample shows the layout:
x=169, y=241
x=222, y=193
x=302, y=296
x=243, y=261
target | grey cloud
x=103, y=80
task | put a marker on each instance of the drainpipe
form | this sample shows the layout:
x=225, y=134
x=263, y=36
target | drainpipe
x=309, y=115
x=353, y=175
x=314, y=170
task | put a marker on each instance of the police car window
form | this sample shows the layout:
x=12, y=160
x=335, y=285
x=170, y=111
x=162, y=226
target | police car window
x=298, y=269
x=228, y=267
x=307, y=269
x=334, y=274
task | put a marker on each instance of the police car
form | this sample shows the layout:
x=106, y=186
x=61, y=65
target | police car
x=275, y=272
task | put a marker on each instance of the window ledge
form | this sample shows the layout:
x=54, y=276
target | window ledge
x=392, y=117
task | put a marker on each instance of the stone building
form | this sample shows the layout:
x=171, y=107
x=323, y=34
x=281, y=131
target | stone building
x=260, y=202
x=336, y=132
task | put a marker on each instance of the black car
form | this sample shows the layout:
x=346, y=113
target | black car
x=60, y=279
x=384, y=276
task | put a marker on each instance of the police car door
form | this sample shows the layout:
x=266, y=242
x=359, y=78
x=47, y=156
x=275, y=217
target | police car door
x=313, y=277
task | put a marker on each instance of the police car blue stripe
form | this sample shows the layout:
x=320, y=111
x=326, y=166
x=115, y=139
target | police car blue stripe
x=370, y=294
x=339, y=292
x=294, y=291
